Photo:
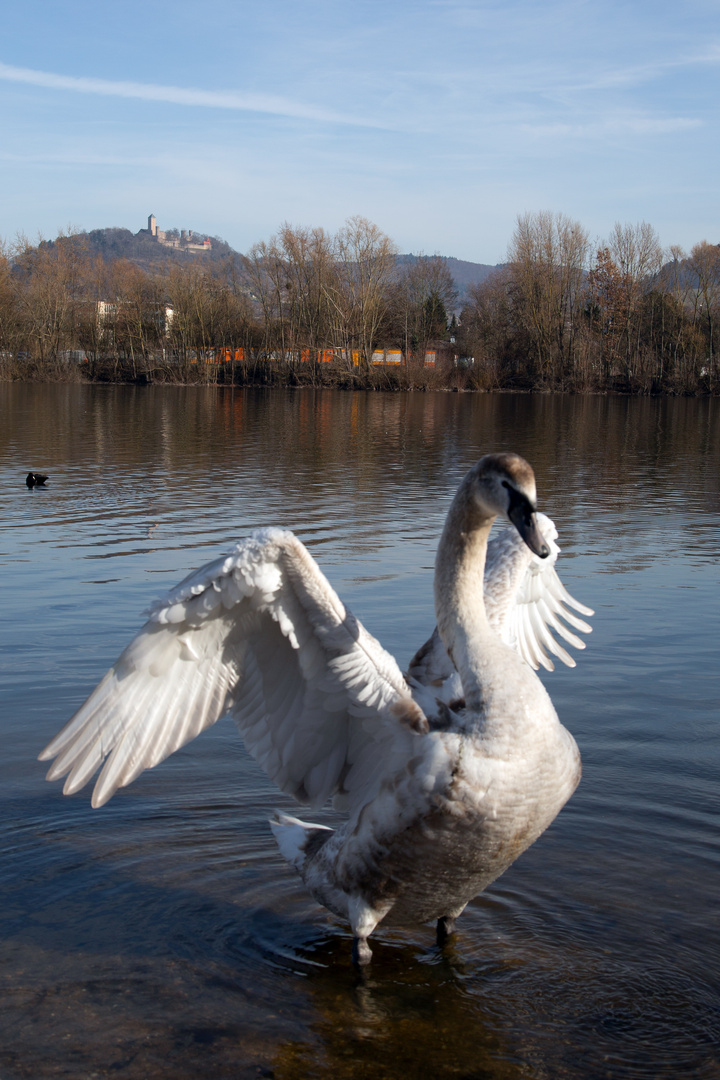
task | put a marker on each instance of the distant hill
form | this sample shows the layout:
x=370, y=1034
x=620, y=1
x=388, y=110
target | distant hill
x=464, y=273
x=143, y=250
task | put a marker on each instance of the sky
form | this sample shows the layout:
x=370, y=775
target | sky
x=438, y=120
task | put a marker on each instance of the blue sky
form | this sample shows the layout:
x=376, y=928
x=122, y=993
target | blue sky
x=440, y=120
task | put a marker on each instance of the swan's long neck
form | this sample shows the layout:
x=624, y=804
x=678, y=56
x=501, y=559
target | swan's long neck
x=459, y=603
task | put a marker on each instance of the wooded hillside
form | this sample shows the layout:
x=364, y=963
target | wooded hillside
x=561, y=314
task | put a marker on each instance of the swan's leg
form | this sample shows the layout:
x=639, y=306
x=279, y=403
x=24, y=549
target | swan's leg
x=445, y=927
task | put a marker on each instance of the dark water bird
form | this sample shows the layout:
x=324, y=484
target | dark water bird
x=446, y=774
x=35, y=479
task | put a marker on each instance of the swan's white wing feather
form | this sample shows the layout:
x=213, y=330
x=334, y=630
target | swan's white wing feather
x=260, y=634
x=526, y=604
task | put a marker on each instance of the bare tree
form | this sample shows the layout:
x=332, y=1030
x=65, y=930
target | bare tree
x=137, y=313
x=704, y=264
x=488, y=334
x=11, y=322
x=193, y=297
x=425, y=298
x=365, y=259
x=266, y=275
x=638, y=255
x=605, y=307
x=310, y=283
x=548, y=255
x=49, y=283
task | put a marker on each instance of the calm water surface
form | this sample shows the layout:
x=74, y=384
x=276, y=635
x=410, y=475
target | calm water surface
x=163, y=935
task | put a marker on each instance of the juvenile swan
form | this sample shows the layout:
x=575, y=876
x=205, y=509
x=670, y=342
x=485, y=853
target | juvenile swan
x=446, y=775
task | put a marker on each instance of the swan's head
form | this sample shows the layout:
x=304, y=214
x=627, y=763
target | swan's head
x=505, y=484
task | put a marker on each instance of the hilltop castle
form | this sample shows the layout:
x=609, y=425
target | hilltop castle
x=187, y=241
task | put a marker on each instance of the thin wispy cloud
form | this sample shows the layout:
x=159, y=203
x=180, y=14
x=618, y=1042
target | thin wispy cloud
x=177, y=95
x=71, y=157
x=437, y=119
x=637, y=74
x=614, y=126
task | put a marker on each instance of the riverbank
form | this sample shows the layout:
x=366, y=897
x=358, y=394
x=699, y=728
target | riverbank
x=145, y=372
x=152, y=371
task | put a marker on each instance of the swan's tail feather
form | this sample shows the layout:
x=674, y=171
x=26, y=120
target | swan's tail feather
x=298, y=839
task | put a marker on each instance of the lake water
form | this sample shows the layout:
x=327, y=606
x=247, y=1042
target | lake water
x=164, y=936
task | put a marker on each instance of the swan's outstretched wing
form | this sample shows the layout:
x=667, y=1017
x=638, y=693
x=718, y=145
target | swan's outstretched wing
x=260, y=634
x=526, y=603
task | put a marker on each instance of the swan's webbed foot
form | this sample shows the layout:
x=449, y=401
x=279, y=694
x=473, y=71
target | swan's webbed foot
x=445, y=927
x=361, y=952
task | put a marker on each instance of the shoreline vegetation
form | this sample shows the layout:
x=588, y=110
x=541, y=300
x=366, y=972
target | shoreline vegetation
x=308, y=308
x=251, y=372
x=152, y=371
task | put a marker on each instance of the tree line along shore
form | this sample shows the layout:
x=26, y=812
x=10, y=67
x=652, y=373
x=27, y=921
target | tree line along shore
x=307, y=307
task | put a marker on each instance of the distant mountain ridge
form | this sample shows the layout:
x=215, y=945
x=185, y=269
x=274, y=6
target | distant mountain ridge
x=464, y=273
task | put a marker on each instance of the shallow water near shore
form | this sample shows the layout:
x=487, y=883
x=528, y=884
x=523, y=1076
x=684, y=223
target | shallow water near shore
x=164, y=936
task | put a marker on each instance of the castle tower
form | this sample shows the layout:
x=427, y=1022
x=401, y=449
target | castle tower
x=152, y=225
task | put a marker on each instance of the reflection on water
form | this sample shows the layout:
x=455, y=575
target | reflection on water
x=164, y=936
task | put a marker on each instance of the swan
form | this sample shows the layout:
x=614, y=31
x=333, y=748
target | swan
x=446, y=774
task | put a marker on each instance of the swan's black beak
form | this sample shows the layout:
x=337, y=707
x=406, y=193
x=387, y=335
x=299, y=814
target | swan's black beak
x=523, y=517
